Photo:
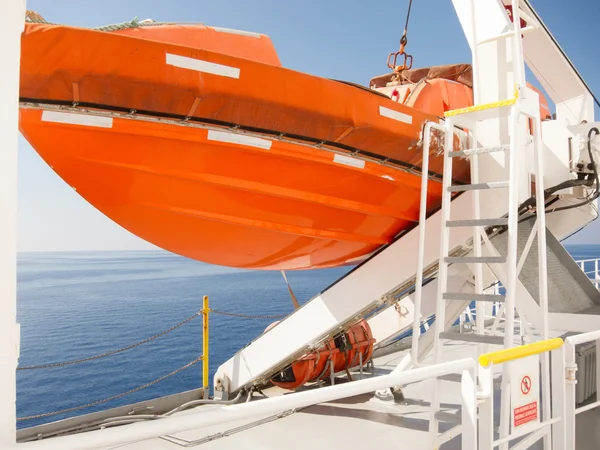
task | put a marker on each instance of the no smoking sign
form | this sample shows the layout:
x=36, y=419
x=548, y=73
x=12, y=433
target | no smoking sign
x=525, y=393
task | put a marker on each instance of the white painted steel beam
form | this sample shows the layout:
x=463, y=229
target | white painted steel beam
x=393, y=321
x=541, y=53
x=12, y=18
x=581, y=323
x=556, y=73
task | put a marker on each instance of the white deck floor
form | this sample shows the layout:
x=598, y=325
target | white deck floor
x=361, y=422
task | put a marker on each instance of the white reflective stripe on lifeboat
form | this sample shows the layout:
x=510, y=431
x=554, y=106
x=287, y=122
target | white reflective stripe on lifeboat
x=234, y=138
x=359, y=163
x=77, y=119
x=396, y=115
x=202, y=66
x=240, y=32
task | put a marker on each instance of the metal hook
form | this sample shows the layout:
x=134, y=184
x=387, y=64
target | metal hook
x=393, y=57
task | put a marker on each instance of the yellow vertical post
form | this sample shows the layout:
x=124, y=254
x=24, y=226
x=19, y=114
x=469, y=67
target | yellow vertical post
x=205, y=311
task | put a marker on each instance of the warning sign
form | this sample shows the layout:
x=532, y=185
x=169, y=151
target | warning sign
x=524, y=414
x=525, y=393
x=525, y=385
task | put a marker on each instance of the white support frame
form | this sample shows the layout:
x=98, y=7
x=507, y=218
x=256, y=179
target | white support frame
x=416, y=329
x=440, y=320
x=12, y=18
x=469, y=20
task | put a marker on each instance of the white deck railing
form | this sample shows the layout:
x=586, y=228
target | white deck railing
x=548, y=424
x=590, y=268
x=274, y=405
x=571, y=409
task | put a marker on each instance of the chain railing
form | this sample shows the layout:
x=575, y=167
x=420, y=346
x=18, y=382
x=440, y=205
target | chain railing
x=247, y=316
x=205, y=312
x=149, y=339
x=112, y=352
x=113, y=397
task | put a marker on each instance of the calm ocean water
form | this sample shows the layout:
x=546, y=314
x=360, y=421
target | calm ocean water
x=73, y=305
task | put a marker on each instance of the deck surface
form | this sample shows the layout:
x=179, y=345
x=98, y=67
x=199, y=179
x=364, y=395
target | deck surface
x=360, y=422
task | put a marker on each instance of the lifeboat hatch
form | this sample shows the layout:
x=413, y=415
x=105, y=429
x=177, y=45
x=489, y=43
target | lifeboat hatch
x=285, y=376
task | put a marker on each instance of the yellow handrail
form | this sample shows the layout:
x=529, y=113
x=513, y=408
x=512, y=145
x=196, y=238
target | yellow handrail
x=522, y=351
x=205, y=311
x=498, y=104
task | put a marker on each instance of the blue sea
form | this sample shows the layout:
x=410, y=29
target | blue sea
x=74, y=305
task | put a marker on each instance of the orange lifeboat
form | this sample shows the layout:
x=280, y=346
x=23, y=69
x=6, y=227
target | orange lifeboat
x=343, y=351
x=198, y=141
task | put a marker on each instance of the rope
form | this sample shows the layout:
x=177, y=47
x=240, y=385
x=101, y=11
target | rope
x=34, y=17
x=112, y=352
x=247, y=316
x=135, y=23
x=114, y=397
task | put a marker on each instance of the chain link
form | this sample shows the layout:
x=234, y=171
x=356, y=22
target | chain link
x=151, y=338
x=247, y=316
x=114, y=397
x=112, y=352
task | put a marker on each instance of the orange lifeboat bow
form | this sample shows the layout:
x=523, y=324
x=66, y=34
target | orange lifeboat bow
x=198, y=141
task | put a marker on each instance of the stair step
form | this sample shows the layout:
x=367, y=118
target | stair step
x=478, y=151
x=470, y=297
x=475, y=259
x=478, y=186
x=502, y=221
x=443, y=416
x=453, y=377
x=472, y=337
x=498, y=37
x=511, y=32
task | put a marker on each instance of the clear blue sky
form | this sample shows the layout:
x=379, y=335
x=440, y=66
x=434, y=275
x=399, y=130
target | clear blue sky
x=347, y=40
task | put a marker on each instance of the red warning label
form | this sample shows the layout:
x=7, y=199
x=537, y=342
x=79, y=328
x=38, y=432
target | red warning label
x=525, y=413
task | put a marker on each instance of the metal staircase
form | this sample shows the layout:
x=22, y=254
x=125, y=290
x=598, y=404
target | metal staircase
x=471, y=118
x=516, y=125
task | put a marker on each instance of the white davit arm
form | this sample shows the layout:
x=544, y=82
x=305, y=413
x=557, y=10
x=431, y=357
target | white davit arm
x=556, y=73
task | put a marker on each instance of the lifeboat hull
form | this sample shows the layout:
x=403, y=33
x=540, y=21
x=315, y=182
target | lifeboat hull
x=236, y=205
x=220, y=158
